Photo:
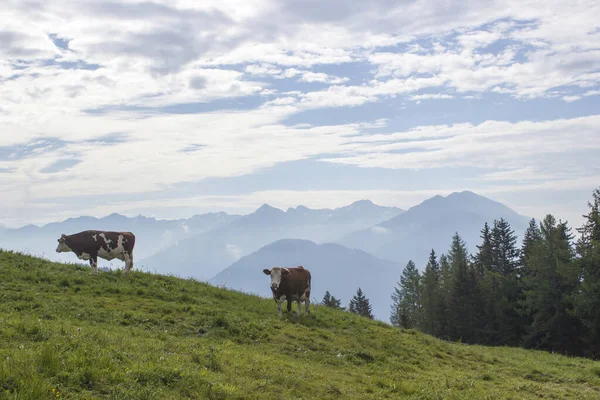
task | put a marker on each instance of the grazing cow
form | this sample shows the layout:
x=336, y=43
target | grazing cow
x=89, y=245
x=291, y=284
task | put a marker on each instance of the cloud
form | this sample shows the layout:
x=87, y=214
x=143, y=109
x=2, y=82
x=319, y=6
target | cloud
x=437, y=96
x=492, y=144
x=74, y=72
x=570, y=99
x=321, y=77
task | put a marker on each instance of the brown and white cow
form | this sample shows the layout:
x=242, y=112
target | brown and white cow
x=89, y=245
x=291, y=284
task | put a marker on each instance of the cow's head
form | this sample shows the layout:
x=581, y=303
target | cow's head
x=62, y=246
x=276, y=274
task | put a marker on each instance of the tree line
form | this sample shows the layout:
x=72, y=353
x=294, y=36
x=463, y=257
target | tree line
x=542, y=293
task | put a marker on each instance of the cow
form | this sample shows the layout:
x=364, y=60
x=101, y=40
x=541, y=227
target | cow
x=89, y=245
x=291, y=284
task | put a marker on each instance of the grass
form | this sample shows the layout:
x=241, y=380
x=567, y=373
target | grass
x=70, y=335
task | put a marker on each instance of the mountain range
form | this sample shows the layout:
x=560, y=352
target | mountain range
x=430, y=225
x=205, y=255
x=360, y=245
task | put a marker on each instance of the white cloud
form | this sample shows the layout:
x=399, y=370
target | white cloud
x=309, y=76
x=138, y=55
x=492, y=144
x=262, y=69
x=437, y=96
x=570, y=99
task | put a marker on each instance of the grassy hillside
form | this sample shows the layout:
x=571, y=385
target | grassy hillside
x=67, y=334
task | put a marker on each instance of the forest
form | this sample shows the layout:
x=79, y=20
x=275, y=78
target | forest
x=542, y=293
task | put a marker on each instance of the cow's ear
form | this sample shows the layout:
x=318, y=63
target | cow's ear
x=266, y=271
x=285, y=271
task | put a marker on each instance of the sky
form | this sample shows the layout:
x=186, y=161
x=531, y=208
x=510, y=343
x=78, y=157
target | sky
x=171, y=108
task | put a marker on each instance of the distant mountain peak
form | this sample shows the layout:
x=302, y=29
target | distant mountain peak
x=115, y=216
x=266, y=208
x=364, y=202
x=465, y=194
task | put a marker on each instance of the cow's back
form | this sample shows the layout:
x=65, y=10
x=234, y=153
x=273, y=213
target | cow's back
x=297, y=281
x=95, y=240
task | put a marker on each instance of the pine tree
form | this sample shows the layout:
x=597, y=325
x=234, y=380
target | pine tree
x=505, y=254
x=359, y=304
x=331, y=301
x=460, y=300
x=484, y=256
x=587, y=302
x=430, y=296
x=444, y=322
x=531, y=238
x=406, y=302
x=501, y=321
x=551, y=281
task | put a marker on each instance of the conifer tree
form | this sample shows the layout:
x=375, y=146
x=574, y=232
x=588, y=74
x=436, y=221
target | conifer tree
x=503, y=323
x=430, y=296
x=359, y=304
x=484, y=256
x=505, y=254
x=406, y=302
x=460, y=300
x=551, y=281
x=587, y=301
x=531, y=238
x=331, y=301
x=444, y=322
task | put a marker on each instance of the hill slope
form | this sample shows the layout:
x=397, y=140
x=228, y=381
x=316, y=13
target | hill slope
x=431, y=224
x=155, y=337
x=333, y=267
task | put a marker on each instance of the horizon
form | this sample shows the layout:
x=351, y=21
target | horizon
x=283, y=209
x=170, y=109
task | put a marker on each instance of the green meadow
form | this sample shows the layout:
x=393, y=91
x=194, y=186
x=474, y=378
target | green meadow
x=67, y=334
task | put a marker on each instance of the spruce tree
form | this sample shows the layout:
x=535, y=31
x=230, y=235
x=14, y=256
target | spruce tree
x=587, y=301
x=359, y=304
x=505, y=254
x=531, y=238
x=405, y=299
x=430, y=296
x=484, y=256
x=503, y=324
x=444, y=322
x=551, y=281
x=460, y=296
x=331, y=301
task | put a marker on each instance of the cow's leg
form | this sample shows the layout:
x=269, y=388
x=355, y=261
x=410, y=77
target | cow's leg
x=128, y=262
x=307, y=301
x=279, y=308
x=94, y=264
x=289, y=305
x=299, y=302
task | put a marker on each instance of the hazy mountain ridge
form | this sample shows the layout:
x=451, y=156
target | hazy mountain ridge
x=205, y=255
x=333, y=267
x=431, y=224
